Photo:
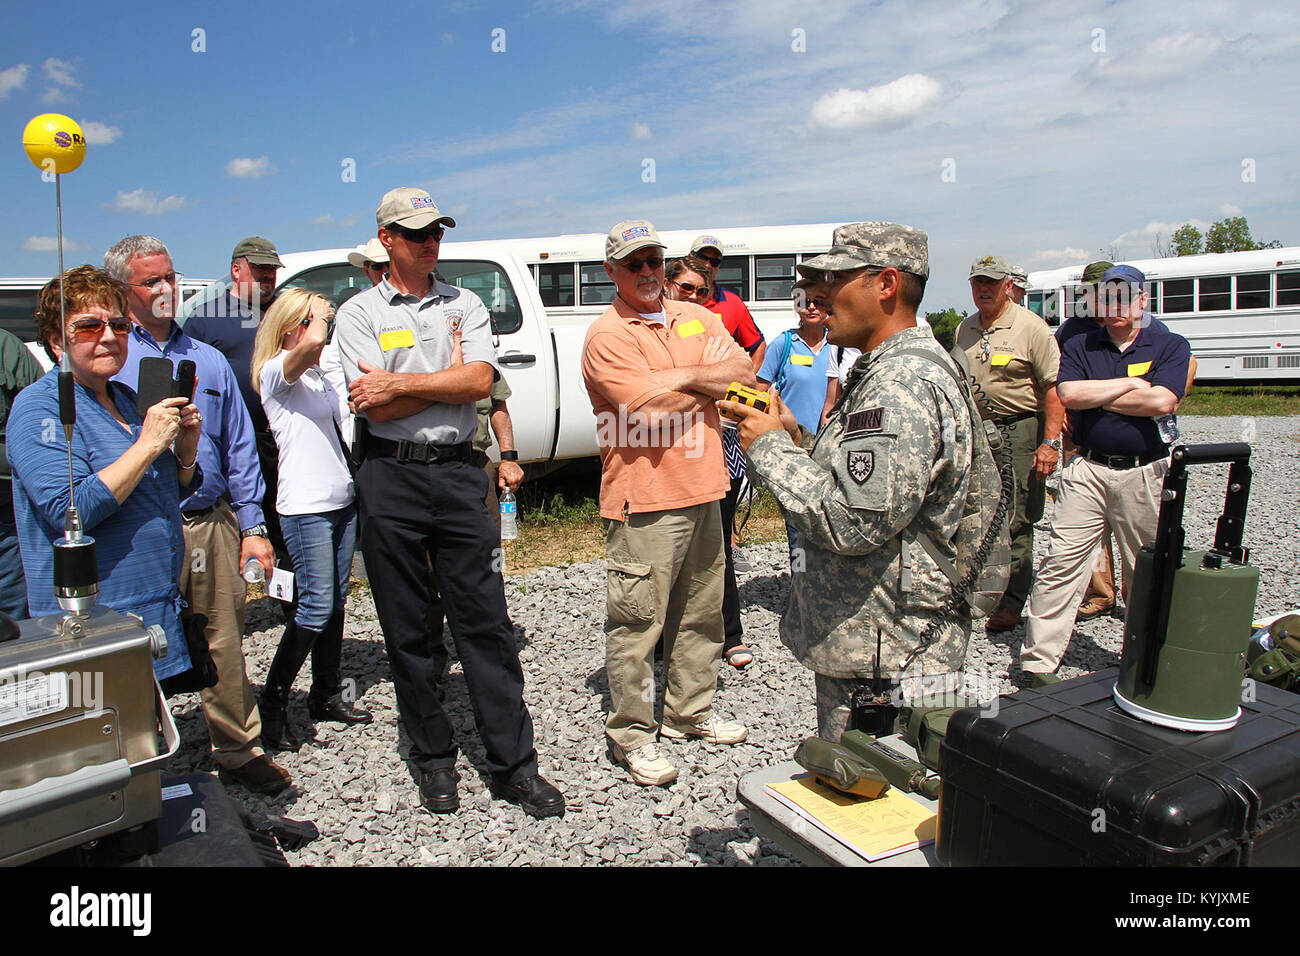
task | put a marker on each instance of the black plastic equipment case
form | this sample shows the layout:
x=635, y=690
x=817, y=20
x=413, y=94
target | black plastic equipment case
x=1062, y=777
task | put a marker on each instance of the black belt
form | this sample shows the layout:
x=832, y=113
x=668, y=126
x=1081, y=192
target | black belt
x=1012, y=419
x=1123, y=461
x=199, y=513
x=421, y=453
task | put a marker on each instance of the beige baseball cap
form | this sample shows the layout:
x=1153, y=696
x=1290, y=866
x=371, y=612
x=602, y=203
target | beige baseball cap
x=629, y=236
x=707, y=242
x=409, y=207
x=990, y=267
x=372, y=251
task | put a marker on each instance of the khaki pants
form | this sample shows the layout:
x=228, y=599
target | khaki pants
x=211, y=583
x=665, y=578
x=1092, y=500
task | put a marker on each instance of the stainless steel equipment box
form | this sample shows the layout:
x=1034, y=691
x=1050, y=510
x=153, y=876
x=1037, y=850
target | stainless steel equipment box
x=80, y=711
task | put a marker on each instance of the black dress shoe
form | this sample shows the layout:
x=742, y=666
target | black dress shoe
x=438, y=790
x=337, y=709
x=537, y=797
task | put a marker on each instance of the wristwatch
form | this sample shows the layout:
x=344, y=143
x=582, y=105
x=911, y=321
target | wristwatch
x=1054, y=444
x=256, y=531
x=511, y=455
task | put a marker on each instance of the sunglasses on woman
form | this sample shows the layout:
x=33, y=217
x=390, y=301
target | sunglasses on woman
x=90, y=330
x=691, y=289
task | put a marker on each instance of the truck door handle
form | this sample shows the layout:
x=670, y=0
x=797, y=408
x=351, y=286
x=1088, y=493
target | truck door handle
x=516, y=358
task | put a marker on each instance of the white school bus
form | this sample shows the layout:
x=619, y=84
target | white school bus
x=1239, y=310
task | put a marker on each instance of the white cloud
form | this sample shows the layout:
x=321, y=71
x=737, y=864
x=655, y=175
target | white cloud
x=51, y=244
x=59, y=72
x=1228, y=209
x=146, y=203
x=327, y=221
x=53, y=94
x=1057, y=256
x=1168, y=57
x=13, y=78
x=640, y=131
x=247, y=168
x=889, y=105
x=99, y=134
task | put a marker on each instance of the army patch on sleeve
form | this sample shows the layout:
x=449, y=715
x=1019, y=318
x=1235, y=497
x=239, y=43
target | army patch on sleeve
x=868, y=421
x=861, y=464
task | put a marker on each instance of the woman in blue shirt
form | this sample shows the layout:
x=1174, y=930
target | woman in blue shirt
x=796, y=365
x=126, y=473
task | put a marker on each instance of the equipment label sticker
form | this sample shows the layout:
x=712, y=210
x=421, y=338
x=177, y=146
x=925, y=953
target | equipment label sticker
x=33, y=697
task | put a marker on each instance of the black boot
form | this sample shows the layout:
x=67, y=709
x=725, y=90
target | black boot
x=295, y=644
x=326, y=699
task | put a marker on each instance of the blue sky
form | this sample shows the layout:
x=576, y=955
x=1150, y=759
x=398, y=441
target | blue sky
x=1044, y=132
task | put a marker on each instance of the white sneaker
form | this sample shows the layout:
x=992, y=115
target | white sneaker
x=646, y=764
x=710, y=727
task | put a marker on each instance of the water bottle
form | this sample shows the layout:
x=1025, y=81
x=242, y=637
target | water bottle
x=253, y=571
x=509, y=516
x=1167, y=425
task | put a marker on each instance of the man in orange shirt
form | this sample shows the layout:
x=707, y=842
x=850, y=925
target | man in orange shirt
x=653, y=368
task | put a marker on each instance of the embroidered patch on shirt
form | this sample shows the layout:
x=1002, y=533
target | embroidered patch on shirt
x=861, y=465
x=801, y=360
x=454, y=319
x=868, y=421
x=693, y=327
x=1139, y=368
x=1001, y=359
x=396, y=339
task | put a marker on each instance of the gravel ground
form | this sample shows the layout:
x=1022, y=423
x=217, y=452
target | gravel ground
x=354, y=784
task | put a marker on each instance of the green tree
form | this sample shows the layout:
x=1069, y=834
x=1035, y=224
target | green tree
x=1186, y=240
x=1229, y=235
x=944, y=324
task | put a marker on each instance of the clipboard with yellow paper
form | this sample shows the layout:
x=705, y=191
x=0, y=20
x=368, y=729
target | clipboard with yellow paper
x=874, y=829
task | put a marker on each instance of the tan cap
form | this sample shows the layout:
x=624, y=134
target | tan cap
x=258, y=252
x=629, y=236
x=860, y=245
x=409, y=207
x=991, y=267
x=707, y=242
x=372, y=251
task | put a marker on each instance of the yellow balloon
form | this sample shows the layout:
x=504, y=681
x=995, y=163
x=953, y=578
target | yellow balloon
x=54, y=143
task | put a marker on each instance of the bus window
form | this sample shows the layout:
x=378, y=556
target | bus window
x=1034, y=303
x=18, y=312
x=1252, y=291
x=1052, y=307
x=597, y=287
x=773, y=277
x=733, y=275
x=1153, y=297
x=1178, y=295
x=336, y=283
x=1288, y=288
x=1216, y=294
x=555, y=283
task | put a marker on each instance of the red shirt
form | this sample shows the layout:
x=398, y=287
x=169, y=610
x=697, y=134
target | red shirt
x=730, y=309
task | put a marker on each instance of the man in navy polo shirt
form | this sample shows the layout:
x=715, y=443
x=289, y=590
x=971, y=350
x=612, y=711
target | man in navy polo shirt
x=1115, y=380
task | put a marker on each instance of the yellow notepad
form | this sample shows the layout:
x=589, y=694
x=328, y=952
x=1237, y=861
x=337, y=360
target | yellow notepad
x=874, y=829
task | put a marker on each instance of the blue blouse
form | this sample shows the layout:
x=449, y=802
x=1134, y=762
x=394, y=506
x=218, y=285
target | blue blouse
x=139, y=544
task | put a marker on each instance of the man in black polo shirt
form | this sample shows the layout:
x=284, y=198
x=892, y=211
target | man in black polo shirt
x=1115, y=380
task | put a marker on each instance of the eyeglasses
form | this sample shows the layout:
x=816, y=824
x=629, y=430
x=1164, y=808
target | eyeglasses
x=690, y=288
x=377, y=265
x=636, y=265
x=434, y=232
x=173, y=279
x=90, y=330
x=714, y=261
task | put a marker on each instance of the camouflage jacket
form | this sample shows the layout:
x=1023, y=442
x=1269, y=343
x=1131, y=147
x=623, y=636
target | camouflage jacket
x=893, y=459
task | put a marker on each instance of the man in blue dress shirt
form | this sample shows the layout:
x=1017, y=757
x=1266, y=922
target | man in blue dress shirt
x=223, y=520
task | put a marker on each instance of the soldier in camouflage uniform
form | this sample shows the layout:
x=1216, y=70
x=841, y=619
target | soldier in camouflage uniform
x=893, y=460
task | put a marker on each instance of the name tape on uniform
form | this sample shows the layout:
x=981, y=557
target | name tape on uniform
x=868, y=421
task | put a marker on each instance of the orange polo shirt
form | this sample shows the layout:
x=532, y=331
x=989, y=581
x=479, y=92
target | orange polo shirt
x=679, y=464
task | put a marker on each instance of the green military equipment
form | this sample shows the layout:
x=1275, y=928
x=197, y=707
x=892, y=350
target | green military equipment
x=898, y=768
x=1189, y=611
x=1273, y=655
x=836, y=767
x=924, y=729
